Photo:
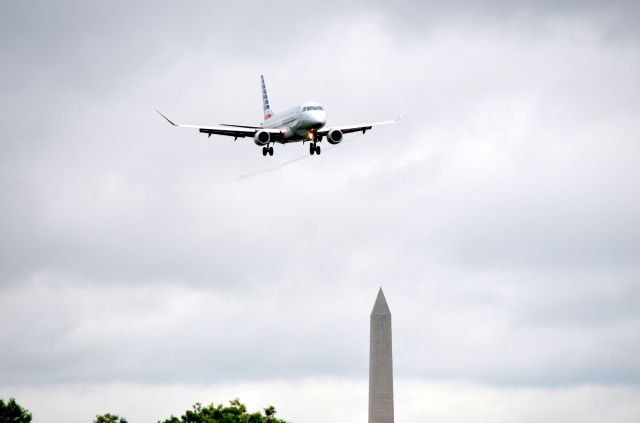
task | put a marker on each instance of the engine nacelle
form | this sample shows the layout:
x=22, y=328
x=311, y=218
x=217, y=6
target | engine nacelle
x=334, y=136
x=262, y=138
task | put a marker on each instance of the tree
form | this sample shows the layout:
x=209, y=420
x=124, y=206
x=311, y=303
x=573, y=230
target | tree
x=12, y=412
x=109, y=418
x=235, y=413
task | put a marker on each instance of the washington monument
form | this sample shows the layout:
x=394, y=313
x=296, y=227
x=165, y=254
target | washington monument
x=380, y=363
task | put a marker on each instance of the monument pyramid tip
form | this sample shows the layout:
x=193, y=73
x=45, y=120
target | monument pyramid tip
x=380, y=306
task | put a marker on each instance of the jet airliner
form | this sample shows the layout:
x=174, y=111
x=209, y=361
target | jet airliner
x=303, y=123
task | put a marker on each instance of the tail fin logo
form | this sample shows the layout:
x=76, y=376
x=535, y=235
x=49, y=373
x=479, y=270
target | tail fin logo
x=265, y=100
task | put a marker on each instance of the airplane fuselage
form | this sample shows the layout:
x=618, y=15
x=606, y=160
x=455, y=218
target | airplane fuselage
x=298, y=123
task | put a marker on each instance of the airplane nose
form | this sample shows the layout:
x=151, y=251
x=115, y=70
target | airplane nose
x=319, y=119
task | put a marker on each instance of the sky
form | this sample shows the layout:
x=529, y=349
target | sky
x=144, y=268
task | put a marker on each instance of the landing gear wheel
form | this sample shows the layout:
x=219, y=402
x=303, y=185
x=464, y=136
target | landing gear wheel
x=270, y=151
x=318, y=150
x=312, y=149
x=264, y=151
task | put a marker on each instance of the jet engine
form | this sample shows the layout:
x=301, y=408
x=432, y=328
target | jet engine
x=262, y=138
x=334, y=136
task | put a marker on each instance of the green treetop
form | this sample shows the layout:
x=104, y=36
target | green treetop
x=236, y=412
x=109, y=418
x=12, y=412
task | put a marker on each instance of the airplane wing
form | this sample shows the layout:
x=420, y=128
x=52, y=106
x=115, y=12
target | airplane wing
x=347, y=129
x=227, y=130
x=363, y=127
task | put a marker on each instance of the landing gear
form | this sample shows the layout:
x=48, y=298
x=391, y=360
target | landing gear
x=267, y=150
x=264, y=151
x=314, y=148
x=270, y=151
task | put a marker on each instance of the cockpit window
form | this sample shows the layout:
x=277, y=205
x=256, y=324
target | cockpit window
x=308, y=108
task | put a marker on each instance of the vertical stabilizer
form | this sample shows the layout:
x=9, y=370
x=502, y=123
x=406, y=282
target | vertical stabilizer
x=265, y=101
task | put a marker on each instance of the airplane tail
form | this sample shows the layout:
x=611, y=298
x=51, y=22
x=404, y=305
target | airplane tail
x=265, y=101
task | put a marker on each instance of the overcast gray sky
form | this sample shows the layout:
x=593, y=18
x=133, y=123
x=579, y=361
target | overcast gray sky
x=144, y=268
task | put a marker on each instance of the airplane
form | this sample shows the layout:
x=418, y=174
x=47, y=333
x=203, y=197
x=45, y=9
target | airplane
x=305, y=122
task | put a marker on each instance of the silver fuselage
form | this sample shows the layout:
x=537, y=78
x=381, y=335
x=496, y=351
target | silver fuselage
x=298, y=123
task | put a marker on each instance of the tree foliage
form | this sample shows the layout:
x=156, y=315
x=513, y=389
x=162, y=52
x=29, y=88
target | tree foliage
x=12, y=412
x=109, y=418
x=236, y=412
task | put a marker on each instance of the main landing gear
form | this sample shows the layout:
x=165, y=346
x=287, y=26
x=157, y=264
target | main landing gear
x=267, y=150
x=314, y=148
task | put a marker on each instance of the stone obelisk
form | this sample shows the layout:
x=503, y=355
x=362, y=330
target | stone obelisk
x=380, y=363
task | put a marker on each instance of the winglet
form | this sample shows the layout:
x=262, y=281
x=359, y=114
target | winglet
x=166, y=118
x=401, y=114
